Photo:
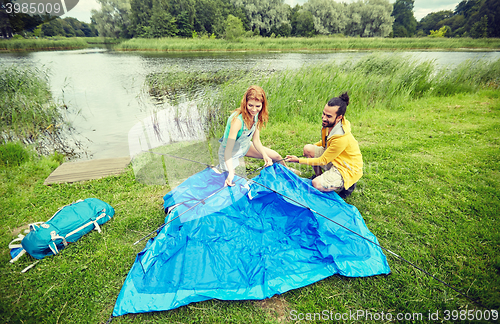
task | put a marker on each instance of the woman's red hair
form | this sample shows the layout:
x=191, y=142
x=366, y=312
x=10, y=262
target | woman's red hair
x=256, y=93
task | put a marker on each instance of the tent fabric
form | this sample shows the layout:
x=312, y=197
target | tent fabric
x=247, y=242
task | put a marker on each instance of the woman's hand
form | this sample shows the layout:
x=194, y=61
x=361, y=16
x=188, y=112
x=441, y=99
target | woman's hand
x=268, y=161
x=292, y=158
x=229, y=179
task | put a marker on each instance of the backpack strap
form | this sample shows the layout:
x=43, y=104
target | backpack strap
x=14, y=245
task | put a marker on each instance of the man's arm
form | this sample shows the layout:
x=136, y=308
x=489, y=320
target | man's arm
x=336, y=147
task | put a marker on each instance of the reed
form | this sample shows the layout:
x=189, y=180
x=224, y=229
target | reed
x=379, y=80
x=28, y=112
x=42, y=44
x=301, y=43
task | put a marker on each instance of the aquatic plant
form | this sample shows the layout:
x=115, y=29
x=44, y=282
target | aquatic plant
x=29, y=114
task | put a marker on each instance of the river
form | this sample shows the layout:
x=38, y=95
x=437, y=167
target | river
x=105, y=89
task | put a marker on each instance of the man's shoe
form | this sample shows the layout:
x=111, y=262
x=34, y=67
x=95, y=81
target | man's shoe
x=347, y=192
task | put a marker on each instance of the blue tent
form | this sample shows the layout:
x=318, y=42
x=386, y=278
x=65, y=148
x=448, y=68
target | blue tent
x=247, y=242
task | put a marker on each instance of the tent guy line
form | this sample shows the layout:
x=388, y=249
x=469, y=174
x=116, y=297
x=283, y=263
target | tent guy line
x=315, y=212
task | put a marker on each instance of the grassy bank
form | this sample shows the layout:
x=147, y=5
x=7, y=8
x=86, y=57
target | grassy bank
x=301, y=43
x=430, y=192
x=321, y=43
x=42, y=44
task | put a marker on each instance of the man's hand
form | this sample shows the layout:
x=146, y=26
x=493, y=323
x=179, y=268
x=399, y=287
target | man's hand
x=292, y=158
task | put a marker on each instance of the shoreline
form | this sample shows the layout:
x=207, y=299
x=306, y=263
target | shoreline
x=257, y=44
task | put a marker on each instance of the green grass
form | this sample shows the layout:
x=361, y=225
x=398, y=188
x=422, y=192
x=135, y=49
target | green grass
x=430, y=192
x=301, y=43
x=42, y=44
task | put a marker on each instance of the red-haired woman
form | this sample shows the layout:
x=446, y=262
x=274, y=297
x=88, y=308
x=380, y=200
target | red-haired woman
x=242, y=134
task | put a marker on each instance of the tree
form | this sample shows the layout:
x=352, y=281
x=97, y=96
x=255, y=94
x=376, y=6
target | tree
x=491, y=9
x=434, y=21
x=439, y=33
x=209, y=16
x=113, y=18
x=53, y=28
x=371, y=18
x=304, y=23
x=12, y=22
x=480, y=28
x=162, y=23
x=140, y=15
x=264, y=14
x=329, y=16
x=69, y=31
x=234, y=28
x=405, y=23
x=184, y=11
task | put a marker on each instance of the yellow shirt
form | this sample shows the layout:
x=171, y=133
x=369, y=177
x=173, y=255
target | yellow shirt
x=343, y=151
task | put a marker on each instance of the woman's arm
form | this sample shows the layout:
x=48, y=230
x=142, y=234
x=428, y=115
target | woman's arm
x=231, y=139
x=258, y=145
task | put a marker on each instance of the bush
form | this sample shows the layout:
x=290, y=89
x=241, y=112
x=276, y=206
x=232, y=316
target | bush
x=13, y=154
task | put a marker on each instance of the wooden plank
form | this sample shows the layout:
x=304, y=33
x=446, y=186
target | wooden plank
x=87, y=170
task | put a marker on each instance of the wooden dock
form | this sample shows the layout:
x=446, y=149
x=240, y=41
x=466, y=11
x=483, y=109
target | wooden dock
x=87, y=170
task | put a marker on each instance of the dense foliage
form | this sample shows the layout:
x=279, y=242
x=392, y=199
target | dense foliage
x=362, y=18
x=473, y=18
x=405, y=23
x=188, y=18
x=69, y=27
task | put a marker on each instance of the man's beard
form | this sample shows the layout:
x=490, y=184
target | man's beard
x=328, y=125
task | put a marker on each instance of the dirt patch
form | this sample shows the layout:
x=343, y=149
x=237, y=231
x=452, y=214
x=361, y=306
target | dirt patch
x=19, y=230
x=276, y=307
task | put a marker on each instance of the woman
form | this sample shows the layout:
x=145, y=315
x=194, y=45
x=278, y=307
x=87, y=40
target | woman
x=242, y=134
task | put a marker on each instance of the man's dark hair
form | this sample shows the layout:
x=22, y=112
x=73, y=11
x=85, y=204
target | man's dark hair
x=342, y=101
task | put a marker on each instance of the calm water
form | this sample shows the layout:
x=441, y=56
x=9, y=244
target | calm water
x=105, y=92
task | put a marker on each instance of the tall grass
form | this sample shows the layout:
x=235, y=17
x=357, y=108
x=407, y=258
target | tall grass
x=26, y=103
x=302, y=43
x=375, y=81
x=28, y=112
x=42, y=44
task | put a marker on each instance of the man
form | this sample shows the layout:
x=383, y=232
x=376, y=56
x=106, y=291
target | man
x=336, y=159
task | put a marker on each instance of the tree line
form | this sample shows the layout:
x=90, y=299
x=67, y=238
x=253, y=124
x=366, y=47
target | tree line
x=217, y=18
x=269, y=18
x=22, y=24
